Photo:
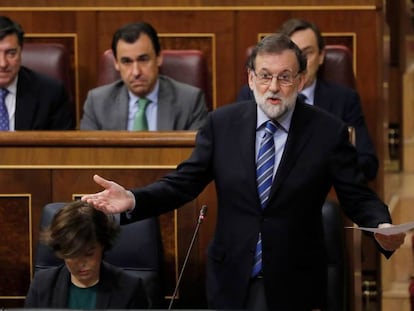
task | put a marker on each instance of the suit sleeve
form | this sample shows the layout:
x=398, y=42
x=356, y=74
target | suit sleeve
x=32, y=297
x=367, y=158
x=62, y=117
x=199, y=111
x=89, y=121
x=245, y=94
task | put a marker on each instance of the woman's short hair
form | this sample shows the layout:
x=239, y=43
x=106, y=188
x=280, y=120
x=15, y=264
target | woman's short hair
x=78, y=226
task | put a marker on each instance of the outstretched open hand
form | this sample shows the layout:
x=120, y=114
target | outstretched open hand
x=114, y=199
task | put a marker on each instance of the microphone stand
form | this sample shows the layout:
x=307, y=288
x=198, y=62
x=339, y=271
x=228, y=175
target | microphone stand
x=203, y=212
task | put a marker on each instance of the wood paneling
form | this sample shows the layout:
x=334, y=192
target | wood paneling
x=223, y=32
x=161, y=4
x=19, y=210
x=59, y=168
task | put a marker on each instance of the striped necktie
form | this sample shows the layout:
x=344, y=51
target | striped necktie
x=140, y=122
x=4, y=114
x=264, y=174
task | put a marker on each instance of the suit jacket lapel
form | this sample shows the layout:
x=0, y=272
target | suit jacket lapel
x=297, y=139
x=120, y=109
x=103, y=296
x=241, y=143
x=246, y=126
x=104, y=293
x=166, y=99
x=61, y=290
x=322, y=96
x=26, y=102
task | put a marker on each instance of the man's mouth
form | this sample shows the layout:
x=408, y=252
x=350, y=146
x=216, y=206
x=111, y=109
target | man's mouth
x=274, y=100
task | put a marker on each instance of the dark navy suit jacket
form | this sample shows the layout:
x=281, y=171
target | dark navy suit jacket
x=116, y=289
x=317, y=157
x=345, y=104
x=42, y=103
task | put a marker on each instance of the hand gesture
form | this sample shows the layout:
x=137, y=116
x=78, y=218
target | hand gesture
x=114, y=199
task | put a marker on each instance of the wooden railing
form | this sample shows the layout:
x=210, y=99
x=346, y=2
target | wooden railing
x=41, y=167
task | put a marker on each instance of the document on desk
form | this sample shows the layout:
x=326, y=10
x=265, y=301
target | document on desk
x=394, y=229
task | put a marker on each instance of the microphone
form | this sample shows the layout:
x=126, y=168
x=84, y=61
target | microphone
x=200, y=219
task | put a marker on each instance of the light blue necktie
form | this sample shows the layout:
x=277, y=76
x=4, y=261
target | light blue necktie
x=140, y=122
x=264, y=174
x=4, y=114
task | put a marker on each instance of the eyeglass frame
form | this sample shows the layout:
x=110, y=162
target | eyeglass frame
x=267, y=81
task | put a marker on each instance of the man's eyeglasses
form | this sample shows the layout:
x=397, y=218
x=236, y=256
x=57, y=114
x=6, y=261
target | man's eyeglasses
x=284, y=78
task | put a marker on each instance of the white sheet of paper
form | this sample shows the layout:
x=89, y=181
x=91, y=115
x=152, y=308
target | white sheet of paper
x=395, y=229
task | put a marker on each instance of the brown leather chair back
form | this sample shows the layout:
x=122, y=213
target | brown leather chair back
x=187, y=66
x=106, y=70
x=51, y=59
x=337, y=66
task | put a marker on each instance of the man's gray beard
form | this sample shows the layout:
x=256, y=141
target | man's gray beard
x=274, y=112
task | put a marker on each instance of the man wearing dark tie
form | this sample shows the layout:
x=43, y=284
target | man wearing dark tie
x=28, y=100
x=273, y=161
x=341, y=101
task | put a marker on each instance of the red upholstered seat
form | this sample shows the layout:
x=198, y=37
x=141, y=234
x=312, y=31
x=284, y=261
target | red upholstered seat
x=337, y=66
x=51, y=59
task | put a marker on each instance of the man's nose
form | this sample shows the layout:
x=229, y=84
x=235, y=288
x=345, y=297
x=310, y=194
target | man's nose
x=3, y=60
x=274, y=84
x=136, y=69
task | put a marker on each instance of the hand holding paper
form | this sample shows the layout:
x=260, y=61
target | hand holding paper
x=388, y=229
x=391, y=240
x=390, y=237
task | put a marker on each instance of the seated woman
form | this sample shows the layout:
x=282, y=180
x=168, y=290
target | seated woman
x=80, y=234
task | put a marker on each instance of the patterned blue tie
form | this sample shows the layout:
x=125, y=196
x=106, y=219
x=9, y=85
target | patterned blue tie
x=4, y=115
x=264, y=174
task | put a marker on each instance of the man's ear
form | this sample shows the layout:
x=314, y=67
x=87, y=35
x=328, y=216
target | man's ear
x=160, y=59
x=116, y=64
x=321, y=57
x=302, y=79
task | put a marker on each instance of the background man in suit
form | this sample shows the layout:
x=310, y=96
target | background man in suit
x=80, y=234
x=312, y=153
x=172, y=105
x=339, y=100
x=32, y=100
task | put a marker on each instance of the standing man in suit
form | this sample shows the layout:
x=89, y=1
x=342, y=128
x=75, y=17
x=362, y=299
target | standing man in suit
x=311, y=153
x=28, y=100
x=169, y=104
x=341, y=101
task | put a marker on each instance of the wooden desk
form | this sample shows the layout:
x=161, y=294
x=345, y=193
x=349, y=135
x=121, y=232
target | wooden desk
x=41, y=167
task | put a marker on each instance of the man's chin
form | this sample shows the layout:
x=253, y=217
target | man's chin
x=4, y=81
x=139, y=91
x=273, y=111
